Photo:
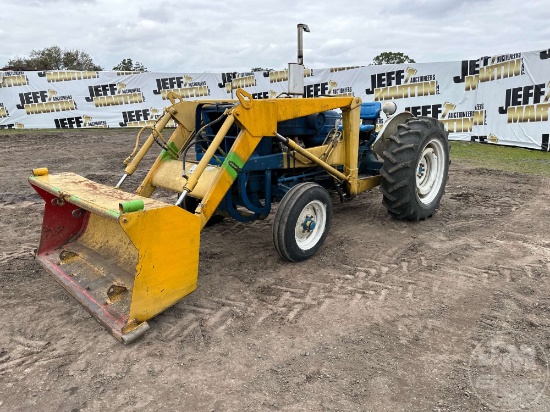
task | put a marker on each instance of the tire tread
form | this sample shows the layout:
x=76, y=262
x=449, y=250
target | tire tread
x=401, y=155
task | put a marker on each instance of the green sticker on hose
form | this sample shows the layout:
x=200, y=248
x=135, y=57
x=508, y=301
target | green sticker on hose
x=171, y=153
x=233, y=164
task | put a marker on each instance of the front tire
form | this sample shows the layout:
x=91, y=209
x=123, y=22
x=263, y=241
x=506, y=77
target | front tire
x=415, y=169
x=302, y=221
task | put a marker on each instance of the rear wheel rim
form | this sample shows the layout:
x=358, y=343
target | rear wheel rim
x=310, y=225
x=429, y=171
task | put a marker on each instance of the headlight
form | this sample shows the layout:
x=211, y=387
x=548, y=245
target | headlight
x=389, y=108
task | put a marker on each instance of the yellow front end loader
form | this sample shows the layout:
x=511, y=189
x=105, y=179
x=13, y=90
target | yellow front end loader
x=127, y=257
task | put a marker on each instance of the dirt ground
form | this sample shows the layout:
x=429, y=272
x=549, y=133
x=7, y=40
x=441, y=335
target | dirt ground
x=385, y=317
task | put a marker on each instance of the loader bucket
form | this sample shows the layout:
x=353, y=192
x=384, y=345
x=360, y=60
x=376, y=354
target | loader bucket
x=125, y=258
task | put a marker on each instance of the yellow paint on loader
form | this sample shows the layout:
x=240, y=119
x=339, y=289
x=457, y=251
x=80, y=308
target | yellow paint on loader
x=126, y=268
x=168, y=241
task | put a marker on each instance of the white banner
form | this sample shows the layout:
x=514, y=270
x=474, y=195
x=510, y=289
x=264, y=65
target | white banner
x=498, y=99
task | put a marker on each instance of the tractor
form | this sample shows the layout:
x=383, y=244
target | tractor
x=127, y=256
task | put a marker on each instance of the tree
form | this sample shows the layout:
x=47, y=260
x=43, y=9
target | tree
x=127, y=65
x=79, y=60
x=392, y=58
x=53, y=58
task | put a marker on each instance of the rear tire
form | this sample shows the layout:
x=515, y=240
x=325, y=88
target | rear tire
x=302, y=221
x=415, y=169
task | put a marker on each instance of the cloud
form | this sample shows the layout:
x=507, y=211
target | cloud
x=430, y=9
x=162, y=13
x=195, y=36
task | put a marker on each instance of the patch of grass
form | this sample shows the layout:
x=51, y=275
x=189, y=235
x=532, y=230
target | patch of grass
x=510, y=159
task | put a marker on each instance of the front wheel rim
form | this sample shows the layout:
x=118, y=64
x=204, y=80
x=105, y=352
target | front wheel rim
x=429, y=171
x=310, y=225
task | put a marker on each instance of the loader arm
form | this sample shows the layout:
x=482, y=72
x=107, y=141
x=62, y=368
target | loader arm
x=258, y=119
x=126, y=257
x=184, y=113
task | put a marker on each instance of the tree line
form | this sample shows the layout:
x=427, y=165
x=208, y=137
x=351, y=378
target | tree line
x=54, y=58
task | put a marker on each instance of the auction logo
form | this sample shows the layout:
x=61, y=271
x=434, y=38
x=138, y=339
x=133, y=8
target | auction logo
x=277, y=76
x=264, y=95
x=79, y=122
x=462, y=121
x=318, y=89
x=508, y=371
x=142, y=118
x=233, y=81
x=340, y=69
x=527, y=103
x=3, y=111
x=454, y=121
x=488, y=69
x=182, y=86
x=15, y=125
x=336, y=91
x=114, y=94
x=492, y=138
x=229, y=77
x=45, y=101
x=430, y=110
x=11, y=79
x=128, y=72
x=400, y=84
x=240, y=83
x=88, y=122
x=64, y=76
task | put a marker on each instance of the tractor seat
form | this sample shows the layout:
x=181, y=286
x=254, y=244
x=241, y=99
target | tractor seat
x=370, y=111
x=366, y=127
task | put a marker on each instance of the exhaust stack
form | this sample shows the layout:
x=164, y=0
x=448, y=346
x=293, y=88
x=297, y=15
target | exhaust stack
x=296, y=70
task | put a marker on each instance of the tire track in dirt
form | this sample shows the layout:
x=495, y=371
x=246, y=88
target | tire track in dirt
x=386, y=315
x=398, y=276
x=394, y=275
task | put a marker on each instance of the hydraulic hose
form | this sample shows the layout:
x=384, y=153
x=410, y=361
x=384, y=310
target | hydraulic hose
x=194, y=138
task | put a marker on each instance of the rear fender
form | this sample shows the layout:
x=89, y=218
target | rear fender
x=389, y=129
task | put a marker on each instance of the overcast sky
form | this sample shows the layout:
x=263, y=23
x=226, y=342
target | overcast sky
x=211, y=36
